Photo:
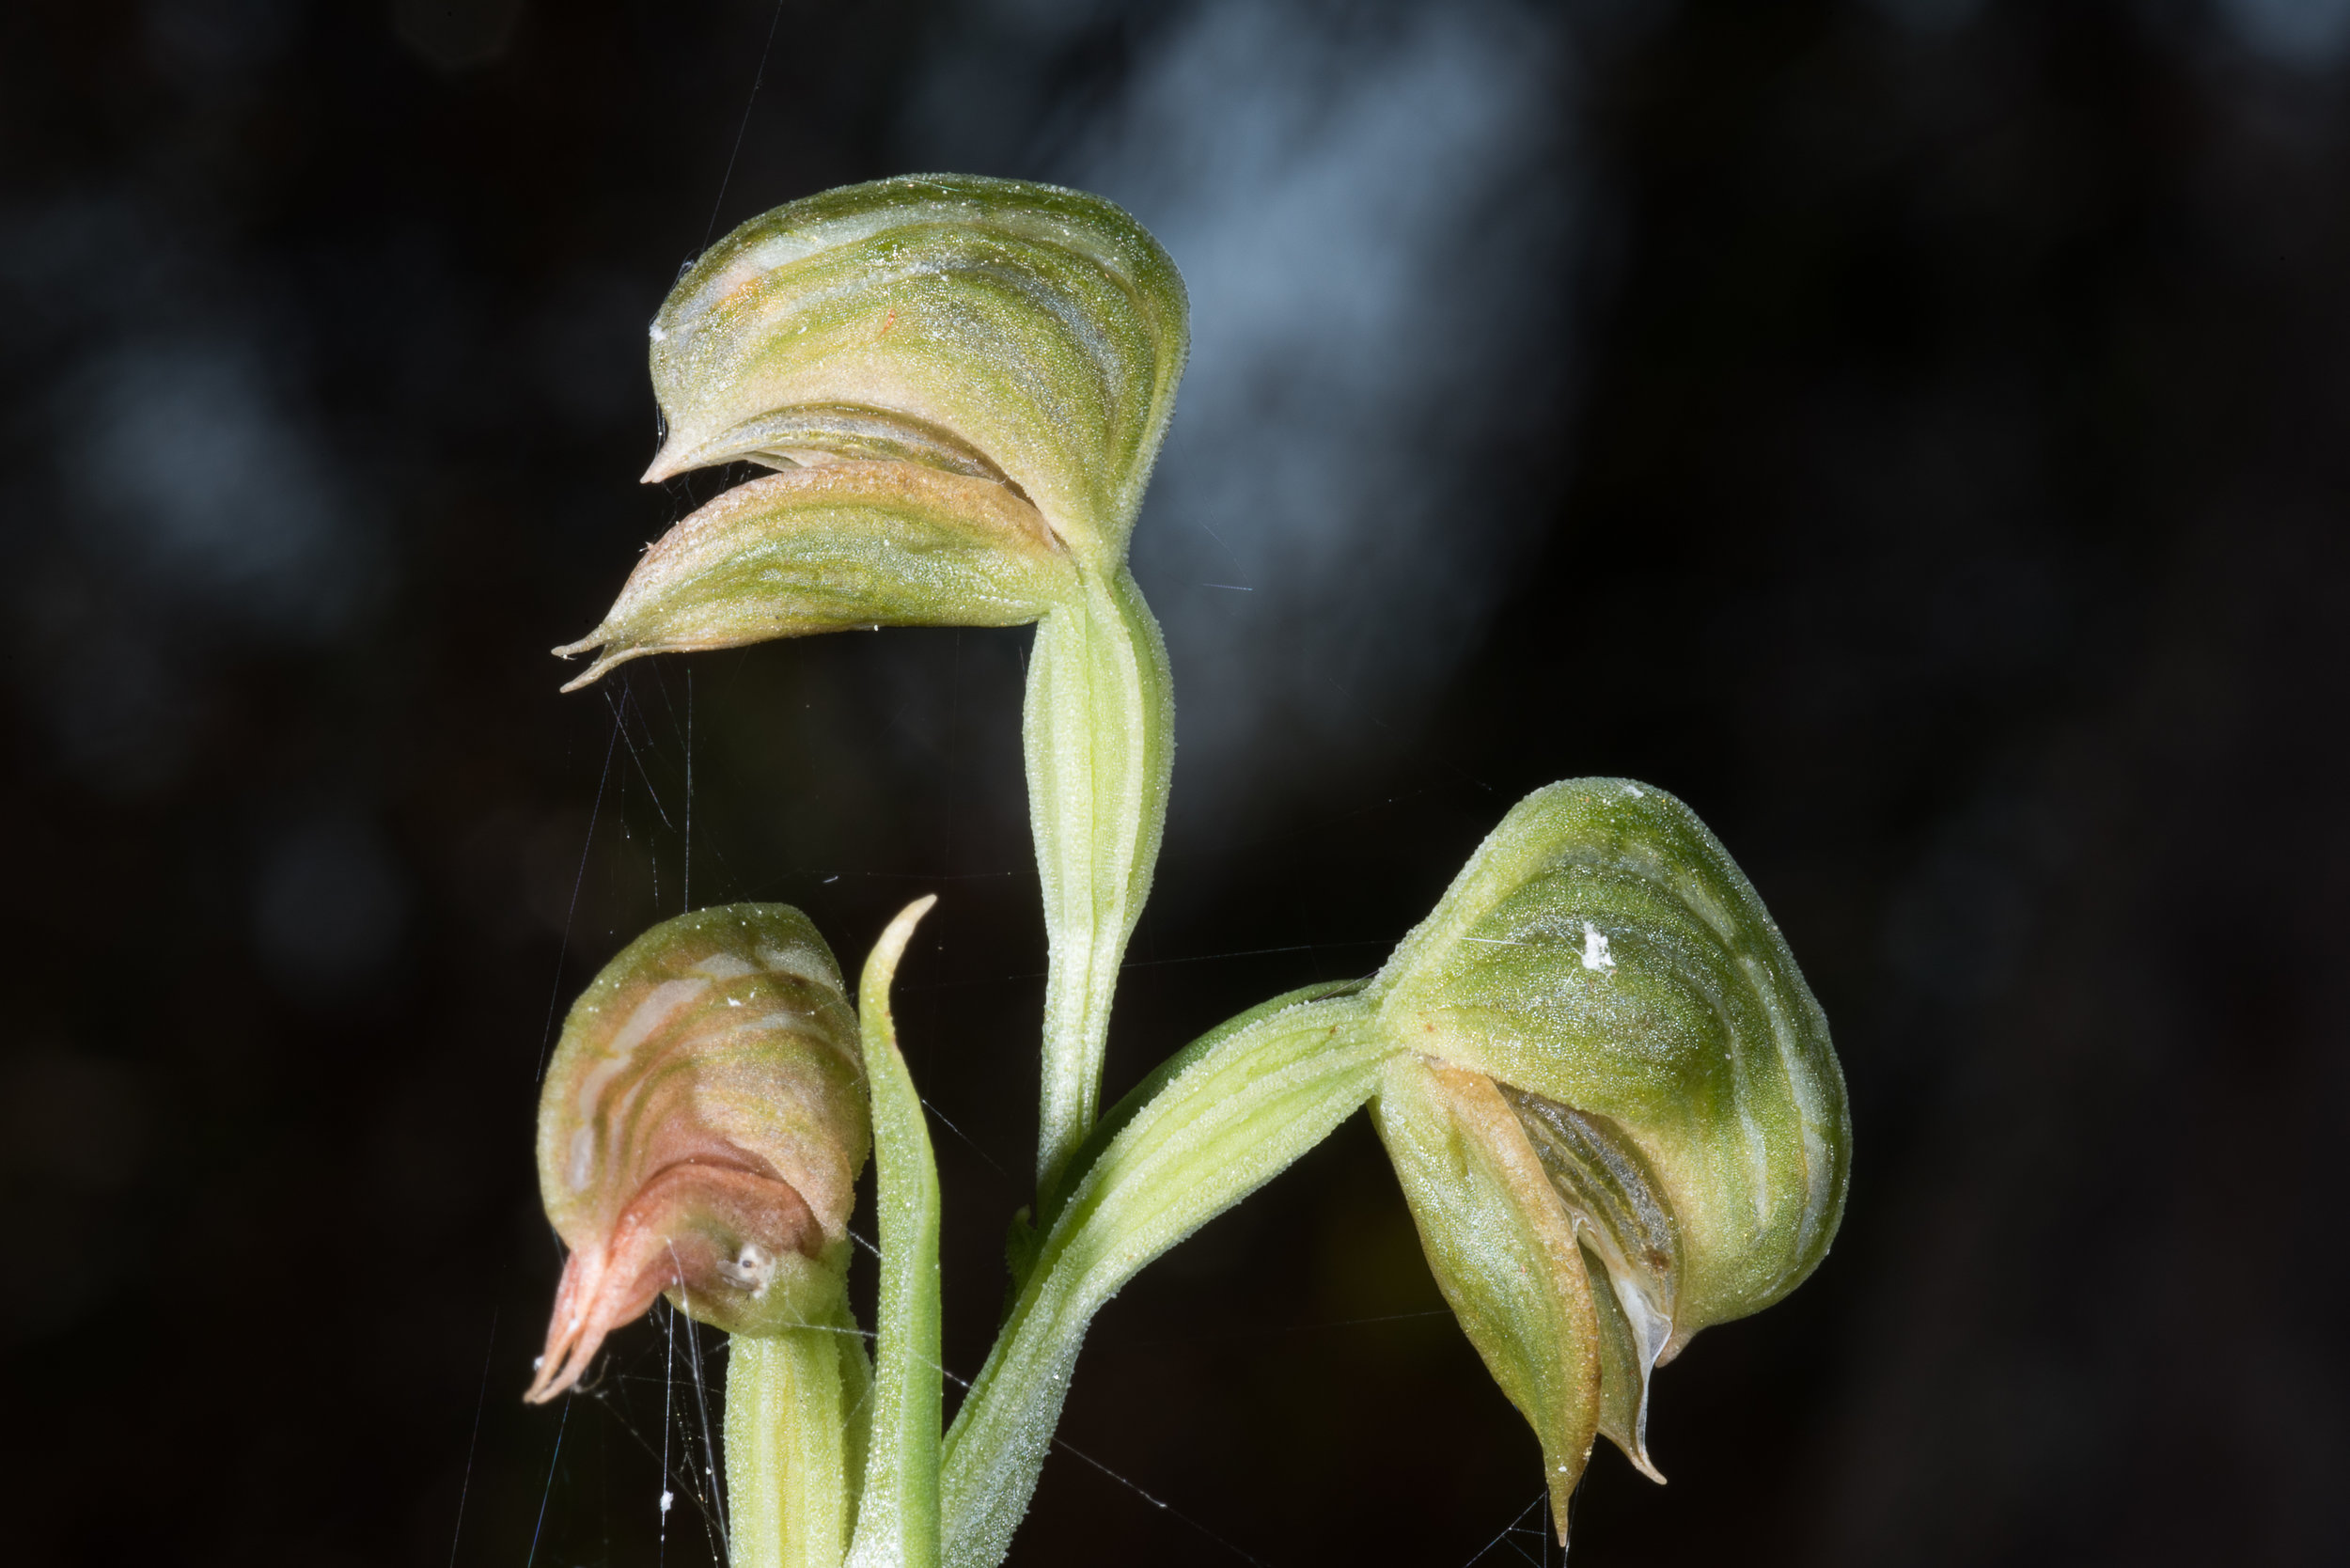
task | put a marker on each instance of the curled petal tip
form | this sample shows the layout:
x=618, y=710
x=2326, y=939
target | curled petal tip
x=594, y=673
x=665, y=465
x=604, y=665
x=698, y=1229
x=586, y=1308
x=557, y=1371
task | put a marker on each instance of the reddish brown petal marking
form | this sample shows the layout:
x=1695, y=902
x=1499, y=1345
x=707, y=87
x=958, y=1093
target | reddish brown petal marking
x=675, y=1234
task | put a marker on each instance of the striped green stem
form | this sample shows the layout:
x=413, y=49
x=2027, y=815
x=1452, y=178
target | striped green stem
x=1217, y=1121
x=1098, y=731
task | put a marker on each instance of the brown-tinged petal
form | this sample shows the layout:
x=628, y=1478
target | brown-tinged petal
x=705, y=1225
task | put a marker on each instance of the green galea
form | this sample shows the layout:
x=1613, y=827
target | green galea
x=1613, y=1106
x=963, y=384
x=700, y=1132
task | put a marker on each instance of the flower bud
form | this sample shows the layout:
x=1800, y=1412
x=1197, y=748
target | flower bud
x=1614, y=1109
x=700, y=1131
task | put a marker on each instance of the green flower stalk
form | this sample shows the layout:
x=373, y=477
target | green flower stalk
x=963, y=384
x=1612, y=1106
x=1210, y=1126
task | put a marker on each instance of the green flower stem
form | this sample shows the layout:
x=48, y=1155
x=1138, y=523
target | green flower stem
x=789, y=1449
x=1099, y=729
x=897, y=1518
x=1216, y=1122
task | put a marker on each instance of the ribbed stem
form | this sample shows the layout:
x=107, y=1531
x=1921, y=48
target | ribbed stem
x=788, y=1459
x=1099, y=733
x=1216, y=1122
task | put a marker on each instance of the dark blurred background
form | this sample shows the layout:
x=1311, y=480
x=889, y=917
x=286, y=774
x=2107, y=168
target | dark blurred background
x=1910, y=430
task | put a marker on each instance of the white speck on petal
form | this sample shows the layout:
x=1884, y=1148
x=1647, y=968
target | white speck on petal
x=1595, y=950
x=667, y=1499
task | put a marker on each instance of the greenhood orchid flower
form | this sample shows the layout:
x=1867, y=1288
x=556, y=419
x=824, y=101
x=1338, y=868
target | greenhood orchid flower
x=700, y=1131
x=1613, y=1106
x=963, y=382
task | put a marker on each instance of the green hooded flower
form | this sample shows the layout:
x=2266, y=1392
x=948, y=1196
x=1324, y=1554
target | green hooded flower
x=1613, y=1107
x=700, y=1131
x=963, y=382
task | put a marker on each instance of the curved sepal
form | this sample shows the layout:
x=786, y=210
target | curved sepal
x=847, y=544
x=1034, y=331
x=1602, y=954
x=1502, y=1247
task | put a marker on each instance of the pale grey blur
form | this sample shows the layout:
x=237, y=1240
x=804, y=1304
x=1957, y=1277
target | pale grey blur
x=1380, y=232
